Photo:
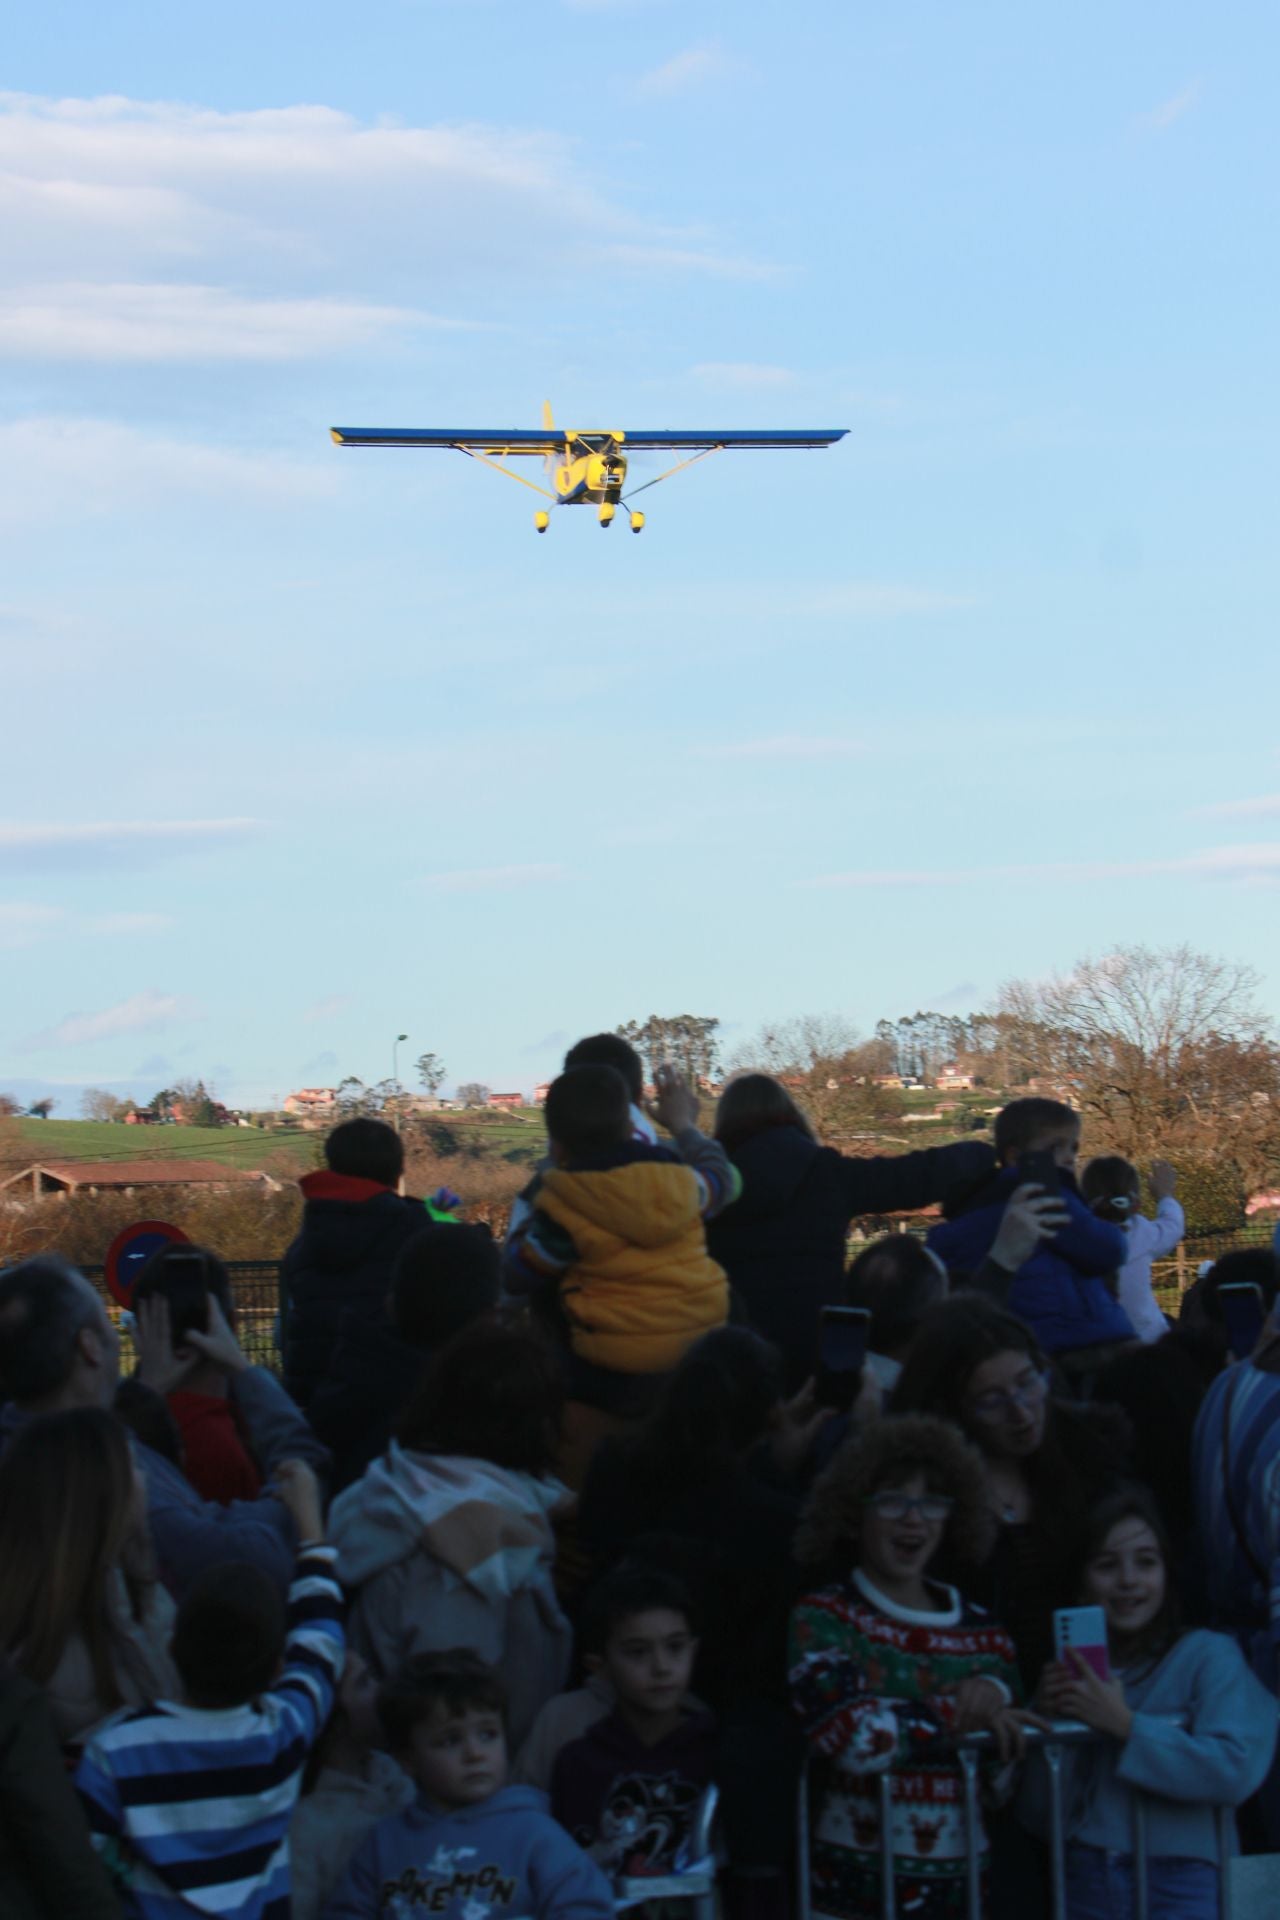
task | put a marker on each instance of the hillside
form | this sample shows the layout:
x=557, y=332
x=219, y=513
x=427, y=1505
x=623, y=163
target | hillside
x=250, y=1148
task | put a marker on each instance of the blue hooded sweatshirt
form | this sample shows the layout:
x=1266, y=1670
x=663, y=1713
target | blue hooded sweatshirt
x=1061, y=1291
x=502, y=1859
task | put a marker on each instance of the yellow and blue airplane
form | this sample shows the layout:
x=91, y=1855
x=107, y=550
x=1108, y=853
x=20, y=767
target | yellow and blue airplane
x=585, y=468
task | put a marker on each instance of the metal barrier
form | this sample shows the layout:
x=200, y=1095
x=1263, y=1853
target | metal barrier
x=255, y=1288
x=968, y=1753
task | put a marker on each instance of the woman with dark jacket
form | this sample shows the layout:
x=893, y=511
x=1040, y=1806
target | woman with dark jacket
x=1048, y=1460
x=783, y=1243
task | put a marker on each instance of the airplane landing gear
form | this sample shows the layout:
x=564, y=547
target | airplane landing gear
x=606, y=514
x=637, y=523
x=542, y=521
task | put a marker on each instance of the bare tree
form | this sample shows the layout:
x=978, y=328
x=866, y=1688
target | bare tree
x=431, y=1071
x=1160, y=1049
x=96, y=1103
x=473, y=1093
x=829, y=1067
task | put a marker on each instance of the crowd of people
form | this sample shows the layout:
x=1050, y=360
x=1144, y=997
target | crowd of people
x=533, y=1545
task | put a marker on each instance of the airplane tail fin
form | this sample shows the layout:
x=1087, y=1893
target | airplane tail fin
x=547, y=420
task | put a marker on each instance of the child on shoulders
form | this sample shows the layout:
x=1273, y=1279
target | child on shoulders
x=628, y=1787
x=1114, y=1193
x=616, y=1230
x=470, y=1847
x=164, y=1785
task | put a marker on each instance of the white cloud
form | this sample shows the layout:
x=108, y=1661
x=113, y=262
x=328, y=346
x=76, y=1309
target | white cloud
x=59, y=463
x=691, y=68
x=748, y=375
x=33, y=848
x=784, y=746
x=1256, y=865
x=492, y=879
x=142, y=1013
x=277, y=221
x=23, y=923
x=1265, y=806
x=328, y=1008
x=86, y=320
x=1172, y=109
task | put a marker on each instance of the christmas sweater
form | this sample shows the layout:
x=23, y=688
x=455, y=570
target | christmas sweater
x=871, y=1682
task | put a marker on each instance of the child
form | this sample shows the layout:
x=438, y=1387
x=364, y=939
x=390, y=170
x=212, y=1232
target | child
x=617, y=1230
x=1062, y=1291
x=627, y=1788
x=471, y=1847
x=215, y=1458
x=1114, y=1193
x=190, y=1804
x=1185, y=1774
x=350, y=1786
x=884, y=1661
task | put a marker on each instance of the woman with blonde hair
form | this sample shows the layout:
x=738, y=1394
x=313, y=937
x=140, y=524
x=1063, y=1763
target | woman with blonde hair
x=81, y=1611
x=885, y=1662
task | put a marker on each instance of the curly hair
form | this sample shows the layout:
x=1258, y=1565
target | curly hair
x=887, y=1453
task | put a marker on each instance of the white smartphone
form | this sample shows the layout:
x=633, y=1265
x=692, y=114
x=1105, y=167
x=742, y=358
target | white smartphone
x=1082, y=1630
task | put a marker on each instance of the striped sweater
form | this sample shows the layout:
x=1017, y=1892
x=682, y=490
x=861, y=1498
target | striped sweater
x=1236, y=1498
x=191, y=1807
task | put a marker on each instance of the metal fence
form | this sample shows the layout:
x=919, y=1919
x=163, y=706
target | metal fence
x=969, y=1753
x=255, y=1287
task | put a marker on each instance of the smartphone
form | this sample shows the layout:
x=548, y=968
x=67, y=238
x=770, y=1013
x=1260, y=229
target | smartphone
x=1040, y=1169
x=842, y=1349
x=1243, y=1315
x=1082, y=1630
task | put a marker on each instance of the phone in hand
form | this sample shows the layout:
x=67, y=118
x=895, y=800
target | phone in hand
x=843, y=1333
x=1040, y=1169
x=1082, y=1630
x=1243, y=1315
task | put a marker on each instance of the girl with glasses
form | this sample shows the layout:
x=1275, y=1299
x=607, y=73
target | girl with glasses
x=885, y=1660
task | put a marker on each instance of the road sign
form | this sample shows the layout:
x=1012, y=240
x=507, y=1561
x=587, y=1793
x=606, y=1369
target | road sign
x=130, y=1248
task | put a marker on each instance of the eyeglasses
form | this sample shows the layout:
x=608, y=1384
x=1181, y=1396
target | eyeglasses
x=896, y=1506
x=1001, y=1402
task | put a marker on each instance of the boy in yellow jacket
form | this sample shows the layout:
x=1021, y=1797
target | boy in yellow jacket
x=617, y=1229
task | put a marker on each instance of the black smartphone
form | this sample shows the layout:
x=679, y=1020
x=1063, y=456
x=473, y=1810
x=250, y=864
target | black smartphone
x=1040, y=1169
x=1243, y=1315
x=842, y=1349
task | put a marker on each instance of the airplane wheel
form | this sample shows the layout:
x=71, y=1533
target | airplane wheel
x=542, y=521
x=637, y=523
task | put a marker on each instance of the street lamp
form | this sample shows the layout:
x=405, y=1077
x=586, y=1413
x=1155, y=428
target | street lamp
x=395, y=1073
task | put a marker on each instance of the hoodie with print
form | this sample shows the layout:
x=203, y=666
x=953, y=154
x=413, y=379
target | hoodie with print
x=503, y=1859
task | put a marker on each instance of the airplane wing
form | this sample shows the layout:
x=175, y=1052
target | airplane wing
x=521, y=440
x=760, y=437
x=485, y=439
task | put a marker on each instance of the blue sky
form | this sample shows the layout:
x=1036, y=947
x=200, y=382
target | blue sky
x=307, y=748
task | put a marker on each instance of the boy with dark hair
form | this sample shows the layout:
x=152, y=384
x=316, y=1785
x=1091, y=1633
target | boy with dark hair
x=190, y=1804
x=617, y=1231
x=471, y=1847
x=627, y=1788
x=610, y=1050
x=214, y=1457
x=1064, y=1291
x=354, y=1223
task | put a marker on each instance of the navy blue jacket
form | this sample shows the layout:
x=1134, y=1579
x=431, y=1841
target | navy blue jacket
x=1061, y=1291
x=784, y=1242
x=352, y=1231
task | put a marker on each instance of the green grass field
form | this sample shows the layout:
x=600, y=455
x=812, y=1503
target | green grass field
x=107, y=1140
